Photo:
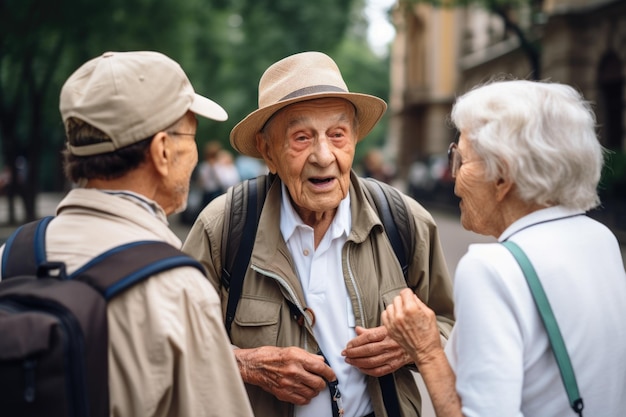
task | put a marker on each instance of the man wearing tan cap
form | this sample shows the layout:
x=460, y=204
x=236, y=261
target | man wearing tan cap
x=130, y=120
x=307, y=333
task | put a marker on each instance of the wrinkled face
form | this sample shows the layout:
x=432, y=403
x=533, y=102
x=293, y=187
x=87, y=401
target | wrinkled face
x=185, y=158
x=478, y=196
x=310, y=145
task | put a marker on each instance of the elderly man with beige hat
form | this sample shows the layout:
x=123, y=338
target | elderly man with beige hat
x=320, y=246
x=130, y=120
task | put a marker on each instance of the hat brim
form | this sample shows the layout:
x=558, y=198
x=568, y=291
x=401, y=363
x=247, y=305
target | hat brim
x=205, y=107
x=369, y=110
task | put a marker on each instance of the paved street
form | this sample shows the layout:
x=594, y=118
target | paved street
x=454, y=238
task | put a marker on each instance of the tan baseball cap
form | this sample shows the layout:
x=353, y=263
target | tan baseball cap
x=130, y=96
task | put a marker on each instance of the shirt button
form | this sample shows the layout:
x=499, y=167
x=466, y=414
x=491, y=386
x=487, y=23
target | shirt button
x=305, y=252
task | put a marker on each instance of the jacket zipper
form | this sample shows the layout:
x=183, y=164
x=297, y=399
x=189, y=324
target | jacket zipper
x=73, y=348
x=283, y=283
x=358, y=295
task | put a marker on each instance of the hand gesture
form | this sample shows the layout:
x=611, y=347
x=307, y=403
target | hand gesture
x=374, y=352
x=413, y=325
x=291, y=374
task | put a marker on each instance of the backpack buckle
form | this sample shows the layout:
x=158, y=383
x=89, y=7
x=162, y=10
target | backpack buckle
x=52, y=270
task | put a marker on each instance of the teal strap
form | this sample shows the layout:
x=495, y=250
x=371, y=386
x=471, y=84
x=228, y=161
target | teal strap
x=549, y=321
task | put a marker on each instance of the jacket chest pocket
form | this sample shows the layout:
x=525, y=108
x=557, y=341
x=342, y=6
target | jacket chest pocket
x=388, y=296
x=256, y=323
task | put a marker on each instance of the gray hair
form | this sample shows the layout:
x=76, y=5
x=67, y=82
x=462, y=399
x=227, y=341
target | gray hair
x=540, y=135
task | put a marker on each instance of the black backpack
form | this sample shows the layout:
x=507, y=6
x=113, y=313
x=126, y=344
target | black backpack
x=246, y=202
x=53, y=326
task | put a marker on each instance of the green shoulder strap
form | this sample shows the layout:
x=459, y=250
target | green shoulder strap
x=549, y=321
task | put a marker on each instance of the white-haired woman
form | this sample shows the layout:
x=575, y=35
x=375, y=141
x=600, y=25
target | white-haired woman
x=526, y=166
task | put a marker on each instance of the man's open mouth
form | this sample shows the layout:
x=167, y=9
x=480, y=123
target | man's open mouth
x=320, y=180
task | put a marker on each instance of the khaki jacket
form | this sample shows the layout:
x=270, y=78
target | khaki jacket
x=371, y=272
x=169, y=354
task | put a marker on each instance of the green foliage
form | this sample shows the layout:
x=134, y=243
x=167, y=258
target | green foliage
x=613, y=182
x=41, y=44
x=261, y=32
x=486, y=4
x=224, y=47
x=365, y=73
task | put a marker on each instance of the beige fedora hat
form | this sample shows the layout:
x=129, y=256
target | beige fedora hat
x=301, y=77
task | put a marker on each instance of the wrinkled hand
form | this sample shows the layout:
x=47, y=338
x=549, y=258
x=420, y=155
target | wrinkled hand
x=413, y=325
x=290, y=374
x=374, y=352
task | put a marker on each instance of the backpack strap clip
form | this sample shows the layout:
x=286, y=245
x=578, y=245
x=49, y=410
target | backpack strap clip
x=52, y=270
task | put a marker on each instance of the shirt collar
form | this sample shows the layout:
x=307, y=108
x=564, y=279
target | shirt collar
x=536, y=217
x=290, y=220
x=149, y=205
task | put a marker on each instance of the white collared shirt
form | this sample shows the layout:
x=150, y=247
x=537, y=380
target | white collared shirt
x=499, y=348
x=321, y=276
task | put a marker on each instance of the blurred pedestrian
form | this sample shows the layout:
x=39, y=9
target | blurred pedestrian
x=375, y=166
x=249, y=167
x=216, y=172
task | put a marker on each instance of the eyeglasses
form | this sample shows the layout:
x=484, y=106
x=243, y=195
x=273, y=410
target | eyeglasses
x=455, y=161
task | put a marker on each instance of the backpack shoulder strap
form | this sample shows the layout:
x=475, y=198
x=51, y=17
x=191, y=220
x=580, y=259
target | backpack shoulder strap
x=393, y=212
x=244, y=204
x=109, y=273
x=400, y=230
x=238, y=202
x=25, y=249
x=121, y=267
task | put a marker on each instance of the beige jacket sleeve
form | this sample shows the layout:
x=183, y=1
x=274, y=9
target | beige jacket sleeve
x=170, y=355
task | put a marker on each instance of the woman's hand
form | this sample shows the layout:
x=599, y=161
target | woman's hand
x=413, y=325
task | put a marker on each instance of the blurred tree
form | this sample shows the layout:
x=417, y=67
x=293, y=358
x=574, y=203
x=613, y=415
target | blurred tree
x=365, y=72
x=224, y=47
x=509, y=11
x=41, y=43
x=260, y=32
x=368, y=73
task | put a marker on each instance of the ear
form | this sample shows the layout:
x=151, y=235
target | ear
x=263, y=147
x=503, y=188
x=161, y=153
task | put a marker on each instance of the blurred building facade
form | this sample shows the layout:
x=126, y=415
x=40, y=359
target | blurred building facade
x=440, y=53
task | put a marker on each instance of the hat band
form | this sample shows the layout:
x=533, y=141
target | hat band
x=92, y=149
x=314, y=89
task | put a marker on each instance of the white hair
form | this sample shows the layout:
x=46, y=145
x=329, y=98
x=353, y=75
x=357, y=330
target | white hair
x=540, y=135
